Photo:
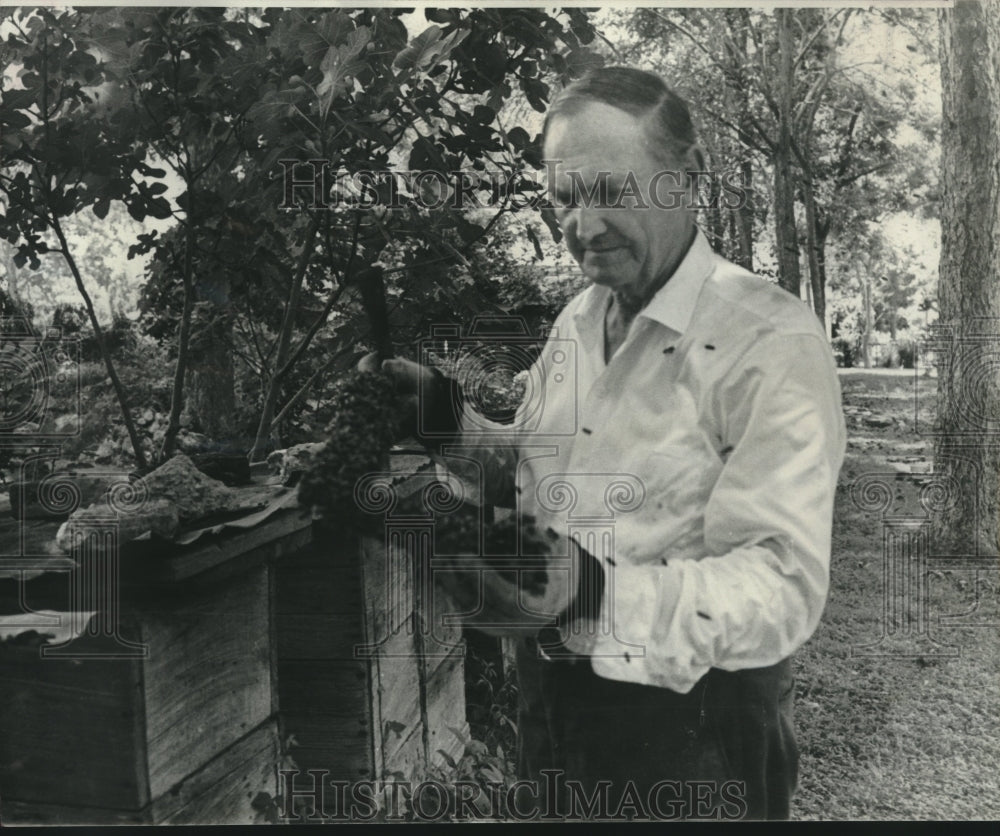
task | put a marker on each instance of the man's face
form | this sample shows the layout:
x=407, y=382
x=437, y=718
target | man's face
x=627, y=247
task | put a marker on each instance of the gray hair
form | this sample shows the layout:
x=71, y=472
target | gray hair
x=638, y=93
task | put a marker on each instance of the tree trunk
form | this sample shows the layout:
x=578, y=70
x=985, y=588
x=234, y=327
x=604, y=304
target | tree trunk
x=372, y=285
x=737, y=89
x=786, y=236
x=744, y=216
x=183, y=340
x=817, y=277
x=866, y=337
x=716, y=219
x=264, y=428
x=822, y=233
x=211, y=399
x=967, y=451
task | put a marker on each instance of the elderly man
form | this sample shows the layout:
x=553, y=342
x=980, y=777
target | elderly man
x=692, y=410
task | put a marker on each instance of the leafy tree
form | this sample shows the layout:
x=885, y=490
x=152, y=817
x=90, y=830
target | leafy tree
x=342, y=94
x=774, y=94
x=199, y=117
x=185, y=80
x=880, y=284
x=60, y=155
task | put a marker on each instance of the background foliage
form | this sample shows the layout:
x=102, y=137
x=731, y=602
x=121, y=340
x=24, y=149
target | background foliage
x=145, y=153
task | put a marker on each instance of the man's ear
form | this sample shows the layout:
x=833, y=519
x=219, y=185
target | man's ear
x=693, y=166
x=694, y=160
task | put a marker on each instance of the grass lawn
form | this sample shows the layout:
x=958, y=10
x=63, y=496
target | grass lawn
x=913, y=734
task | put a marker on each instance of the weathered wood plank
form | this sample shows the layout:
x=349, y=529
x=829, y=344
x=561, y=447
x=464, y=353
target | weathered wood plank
x=318, y=579
x=68, y=728
x=306, y=585
x=328, y=731
x=322, y=687
x=446, y=707
x=207, y=680
x=398, y=682
x=349, y=760
x=223, y=790
x=330, y=636
x=388, y=579
x=43, y=720
x=15, y=813
x=284, y=533
x=404, y=755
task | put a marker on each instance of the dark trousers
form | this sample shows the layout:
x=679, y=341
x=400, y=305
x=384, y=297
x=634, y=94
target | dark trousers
x=724, y=750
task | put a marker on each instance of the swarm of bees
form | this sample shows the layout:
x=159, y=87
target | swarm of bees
x=359, y=437
x=458, y=534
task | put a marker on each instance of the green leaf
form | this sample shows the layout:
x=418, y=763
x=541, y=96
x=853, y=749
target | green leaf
x=427, y=49
x=448, y=759
x=149, y=171
x=159, y=208
x=340, y=63
x=18, y=99
x=549, y=217
x=484, y=115
x=492, y=774
x=519, y=138
x=491, y=62
x=445, y=16
x=14, y=119
x=537, y=93
x=316, y=38
x=460, y=734
x=419, y=50
x=101, y=207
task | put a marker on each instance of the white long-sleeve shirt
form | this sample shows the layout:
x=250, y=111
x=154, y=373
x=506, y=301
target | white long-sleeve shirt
x=699, y=466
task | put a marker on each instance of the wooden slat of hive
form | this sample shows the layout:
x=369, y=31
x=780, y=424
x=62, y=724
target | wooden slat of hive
x=224, y=789
x=323, y=688
x=116, y=733
x=70, y=730
x=32, y=813
x=446, y=707
x=280, y=535
x=207, y=680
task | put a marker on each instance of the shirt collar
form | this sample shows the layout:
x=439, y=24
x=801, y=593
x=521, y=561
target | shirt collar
x=673, y=303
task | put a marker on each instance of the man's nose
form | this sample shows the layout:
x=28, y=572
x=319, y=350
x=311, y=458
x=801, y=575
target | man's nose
x=589, y=224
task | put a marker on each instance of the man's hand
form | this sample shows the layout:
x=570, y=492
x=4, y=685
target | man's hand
x=551, y=585
x=406, y=374
x=429, y=403
x=502, y=602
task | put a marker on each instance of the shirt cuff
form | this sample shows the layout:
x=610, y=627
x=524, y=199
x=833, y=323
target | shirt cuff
x=576, y=631
x=644, y=644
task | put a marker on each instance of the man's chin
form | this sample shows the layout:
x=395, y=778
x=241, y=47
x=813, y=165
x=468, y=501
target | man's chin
x=608, y=278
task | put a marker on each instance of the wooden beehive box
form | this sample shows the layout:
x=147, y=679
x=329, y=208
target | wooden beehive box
x=186, y=733
x=165, y=708
x=282, y=632
x=367, y=690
